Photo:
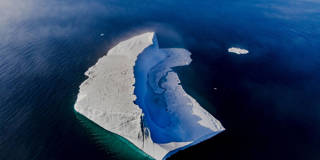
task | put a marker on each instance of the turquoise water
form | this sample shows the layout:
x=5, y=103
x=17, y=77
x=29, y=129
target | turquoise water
x=110, y=142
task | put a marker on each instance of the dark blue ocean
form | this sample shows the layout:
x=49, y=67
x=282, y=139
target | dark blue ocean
x=268, y=100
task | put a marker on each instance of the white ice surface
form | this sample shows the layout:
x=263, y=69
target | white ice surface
x=107, y=99
x=238, y=50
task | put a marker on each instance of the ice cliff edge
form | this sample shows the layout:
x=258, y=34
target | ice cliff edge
x=109, y=98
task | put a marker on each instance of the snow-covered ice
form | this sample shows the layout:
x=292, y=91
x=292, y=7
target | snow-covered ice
x=238, y=50
x=133, y=92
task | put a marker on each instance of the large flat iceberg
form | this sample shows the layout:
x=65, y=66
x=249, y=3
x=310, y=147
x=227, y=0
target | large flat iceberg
x=133, y=92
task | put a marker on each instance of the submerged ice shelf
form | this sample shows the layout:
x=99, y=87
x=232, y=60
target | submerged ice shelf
x=133, y=92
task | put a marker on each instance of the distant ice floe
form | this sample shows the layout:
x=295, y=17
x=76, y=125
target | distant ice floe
x=133, y=92
x=238, y=50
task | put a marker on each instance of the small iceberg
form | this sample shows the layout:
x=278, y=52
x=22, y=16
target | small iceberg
x=238, y=50
x=133, y=92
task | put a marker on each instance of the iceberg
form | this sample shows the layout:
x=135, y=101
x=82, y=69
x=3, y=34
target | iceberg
x=133, y=92
x=238, y=50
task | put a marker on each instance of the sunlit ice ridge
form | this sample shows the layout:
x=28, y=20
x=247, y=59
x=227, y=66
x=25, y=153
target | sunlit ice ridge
x=133, y=92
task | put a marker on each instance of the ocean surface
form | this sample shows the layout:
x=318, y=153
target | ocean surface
x=268, y=100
